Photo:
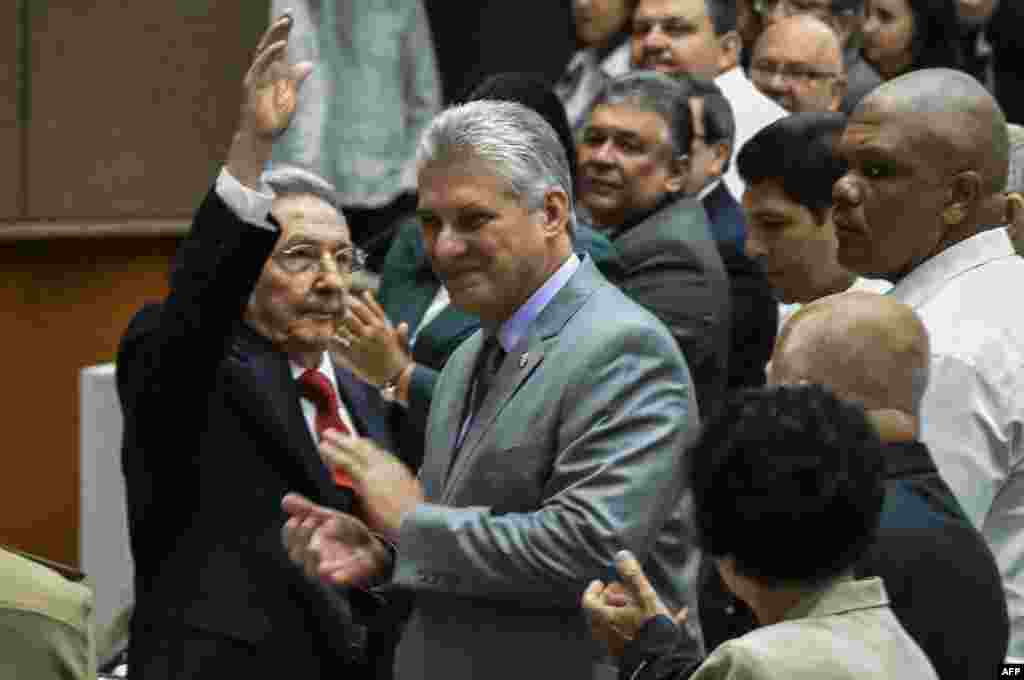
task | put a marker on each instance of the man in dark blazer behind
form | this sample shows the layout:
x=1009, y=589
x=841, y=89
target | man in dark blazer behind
x=633, y=165
x=554, y=433
x=216, y=432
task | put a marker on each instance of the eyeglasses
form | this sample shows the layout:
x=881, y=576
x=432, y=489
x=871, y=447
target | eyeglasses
x=823, y=9
x=305, y=259
x=791, y=73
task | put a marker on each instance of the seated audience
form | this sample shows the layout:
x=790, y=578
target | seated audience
x=939, y=137
x=870, y=349
x=790, y=168
x=754, y=315
x=846, y=17
x=906, y=35
x=798, y=62
x=699, y=38
x=788, y=489
x=416, y=326
x=45, y=623
x=633, y=162
x=602, y=34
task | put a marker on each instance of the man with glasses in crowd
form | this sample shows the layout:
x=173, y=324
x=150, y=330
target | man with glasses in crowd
x=847, y=18
x=798, y=62
x=226, y=387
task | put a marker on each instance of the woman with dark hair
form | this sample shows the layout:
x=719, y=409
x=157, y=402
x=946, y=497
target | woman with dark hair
x=906, y=35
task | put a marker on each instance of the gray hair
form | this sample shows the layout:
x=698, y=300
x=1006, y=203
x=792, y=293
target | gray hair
x=291, y=180
x=516, y=142
x=656, y=93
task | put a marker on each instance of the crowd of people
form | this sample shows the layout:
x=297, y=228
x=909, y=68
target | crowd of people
x=685, y=359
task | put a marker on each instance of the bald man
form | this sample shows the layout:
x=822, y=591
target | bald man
x=942, y=580
x=938, y=137
x=798, y=62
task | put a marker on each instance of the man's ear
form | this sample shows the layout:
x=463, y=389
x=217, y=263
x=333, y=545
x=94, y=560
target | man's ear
x=555, y=212
x=730, y=44
x=838, y=92
x=722, y=151
x=964, y=195
x=679, y=173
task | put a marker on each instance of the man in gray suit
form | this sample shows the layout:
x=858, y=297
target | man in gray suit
x=553, y=438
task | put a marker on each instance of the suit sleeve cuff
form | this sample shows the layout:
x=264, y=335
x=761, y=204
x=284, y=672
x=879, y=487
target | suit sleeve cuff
x=249, y=205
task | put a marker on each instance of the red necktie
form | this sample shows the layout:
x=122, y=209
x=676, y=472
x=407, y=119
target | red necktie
x=315, y=386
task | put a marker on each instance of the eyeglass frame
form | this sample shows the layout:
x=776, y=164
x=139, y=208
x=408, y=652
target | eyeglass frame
x=759, y=8
x=787, y=73
x=356, y=264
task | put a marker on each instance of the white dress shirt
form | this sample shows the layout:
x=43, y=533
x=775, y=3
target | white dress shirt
x=880, y=286
x=752, y=111
x=578, y=91
x=309, y=408
x=973, y=412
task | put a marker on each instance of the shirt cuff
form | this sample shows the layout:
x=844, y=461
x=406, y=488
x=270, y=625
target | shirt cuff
x=251, y=206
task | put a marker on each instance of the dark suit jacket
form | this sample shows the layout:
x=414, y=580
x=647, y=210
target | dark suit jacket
x=942, y=580
x=407, y=287
x=861, y=78
x=755, y=313
x=673, y=269
x=214, y=438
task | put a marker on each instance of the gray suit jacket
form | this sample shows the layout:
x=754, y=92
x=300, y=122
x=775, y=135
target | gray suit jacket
x=576, y=453
x=845, y=632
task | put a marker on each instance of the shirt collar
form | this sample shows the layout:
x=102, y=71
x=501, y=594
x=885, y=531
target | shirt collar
x=841, y=595
x=325, y=367
x=512, y=331
x=927, y=278
x=703, y=193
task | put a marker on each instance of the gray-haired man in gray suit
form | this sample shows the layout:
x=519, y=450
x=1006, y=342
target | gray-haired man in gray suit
x=556, y=437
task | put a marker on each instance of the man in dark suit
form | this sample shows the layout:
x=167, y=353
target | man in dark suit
x=215, y=427
x=754, y=310
x=941, y=577
x=554, y=432
x=633, y=165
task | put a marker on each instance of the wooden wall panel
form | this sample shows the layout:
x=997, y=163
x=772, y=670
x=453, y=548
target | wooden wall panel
x=133, y=104
x=68, y=303
x=10, y=131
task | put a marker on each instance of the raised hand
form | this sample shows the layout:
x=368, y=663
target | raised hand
x=617, y=611
x=367, y=343
x=331, y=546
x=269, y=92
x=385, y=488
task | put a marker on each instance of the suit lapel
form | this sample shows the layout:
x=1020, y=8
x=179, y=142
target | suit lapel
x=518, y=366
x=515, y=369
x=446, y=411
x=269, y=391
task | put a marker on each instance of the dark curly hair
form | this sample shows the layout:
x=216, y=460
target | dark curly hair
x=788, y=481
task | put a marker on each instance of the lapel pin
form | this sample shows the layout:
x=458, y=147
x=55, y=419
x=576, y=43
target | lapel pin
x=523, y=358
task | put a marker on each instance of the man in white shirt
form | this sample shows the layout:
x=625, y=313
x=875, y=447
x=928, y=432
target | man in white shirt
x=798, y=62
x=217, y=427
x=699, y=37
x=921, y=206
